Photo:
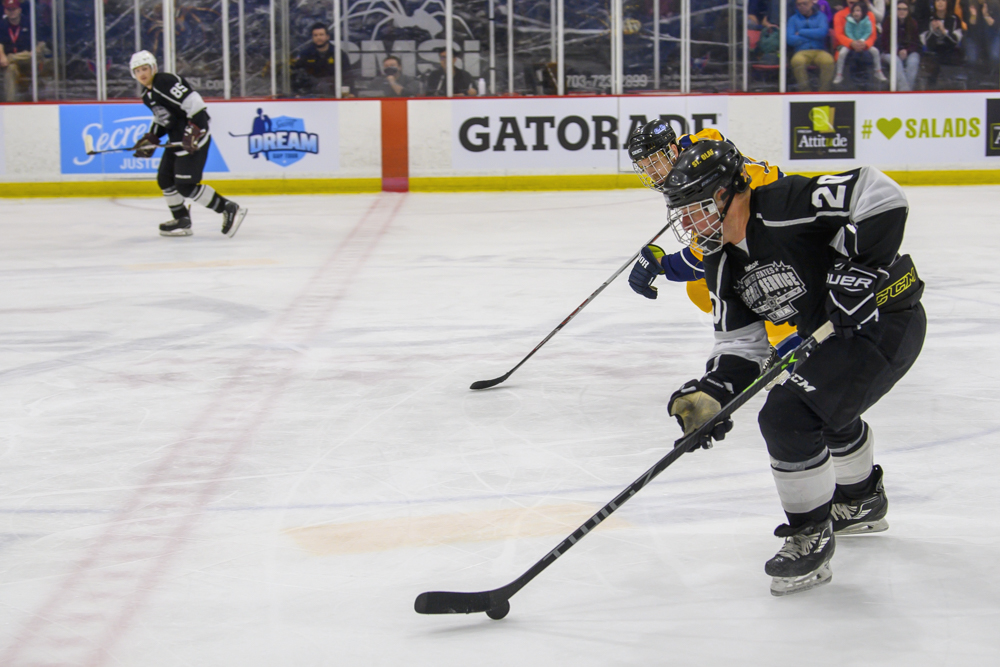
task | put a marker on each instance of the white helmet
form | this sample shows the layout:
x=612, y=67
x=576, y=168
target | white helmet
x=142, y=58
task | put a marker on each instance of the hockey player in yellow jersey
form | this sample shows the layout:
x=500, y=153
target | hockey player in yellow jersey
x=653, y=149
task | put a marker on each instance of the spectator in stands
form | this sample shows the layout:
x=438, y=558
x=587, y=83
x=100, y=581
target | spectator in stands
x=15, y=49
x=878, y=7
x=757, y=15
x=982, y=40
x=854, y=31
x=395, y=83
x=942, y=40
x=808, y=38
x=462, y=81
x=908, y=46
x=314, y=70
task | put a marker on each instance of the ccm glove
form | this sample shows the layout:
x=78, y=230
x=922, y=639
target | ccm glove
x=646, y=268
x=851, y=303
x=147, y=145
x=697, y=402
x=192, y=138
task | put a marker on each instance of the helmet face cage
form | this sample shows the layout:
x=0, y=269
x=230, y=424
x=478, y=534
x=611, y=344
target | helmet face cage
x=654, y=169
x=698, y=225
x=139, y=59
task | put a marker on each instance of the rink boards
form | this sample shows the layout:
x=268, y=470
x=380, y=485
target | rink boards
x=533, y=143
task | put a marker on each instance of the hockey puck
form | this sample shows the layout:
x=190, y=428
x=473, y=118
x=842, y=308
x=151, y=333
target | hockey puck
x=498, y=612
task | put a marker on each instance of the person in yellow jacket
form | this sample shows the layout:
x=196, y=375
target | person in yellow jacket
x=653, y=149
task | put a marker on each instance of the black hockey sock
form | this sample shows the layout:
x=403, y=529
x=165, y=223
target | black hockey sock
x=179, y=212
x=218, y=203
x=813, y=516
x=859, y=490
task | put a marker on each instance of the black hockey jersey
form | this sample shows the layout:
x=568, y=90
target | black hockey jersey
x=174, y=103
x=798, y=228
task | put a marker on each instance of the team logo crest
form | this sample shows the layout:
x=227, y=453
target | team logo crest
x=770, y=289
x=282, y=140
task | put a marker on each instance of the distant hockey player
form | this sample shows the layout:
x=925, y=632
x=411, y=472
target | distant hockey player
x=180, y=113
x=804, y=251
x=654, y=149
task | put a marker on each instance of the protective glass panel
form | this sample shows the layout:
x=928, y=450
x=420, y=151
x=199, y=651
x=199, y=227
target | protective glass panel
x=123, y=28
x=587, y=47
x=16, y=78
x=198, y=35
x=714, y=45
x=68, y=69
x=311, y=44
x=250, y=47
x=533, y=46
x=651, y=47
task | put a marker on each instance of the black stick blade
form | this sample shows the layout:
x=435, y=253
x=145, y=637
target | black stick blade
x=486, y=384
x=439, y=602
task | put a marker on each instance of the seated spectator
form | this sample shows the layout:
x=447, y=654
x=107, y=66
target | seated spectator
x=462, y=82
x=808, y=34
x=854, y=30
x=942, y=41
x=394, y=82
x=982, y=39
x=757, y=14
x=908, y=46
x=15, y=49
x=314, y=70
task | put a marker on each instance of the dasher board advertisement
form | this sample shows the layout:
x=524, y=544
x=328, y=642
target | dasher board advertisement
x=893, y=131
x=575, y=135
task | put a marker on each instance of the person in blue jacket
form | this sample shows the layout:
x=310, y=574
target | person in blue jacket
x=809, y=40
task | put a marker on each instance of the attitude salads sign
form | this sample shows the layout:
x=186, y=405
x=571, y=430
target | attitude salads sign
x=895, y=131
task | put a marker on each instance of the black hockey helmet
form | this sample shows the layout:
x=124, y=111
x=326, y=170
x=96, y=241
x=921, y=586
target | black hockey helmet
x=651, y=149
x=690, y=191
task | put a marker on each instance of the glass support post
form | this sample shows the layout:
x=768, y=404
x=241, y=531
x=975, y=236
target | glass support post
x=783, y=50
x=227, y=87
x=34, y=53
x=493, y=49
x=656, y=44
x=560, y=47
x=893, y=44
x=242, y=38
x=510, y=47
x=100, y=66
x=746, y=46
x=169, y=37
x=337, y=73
x=285, y=54
x=449, y=29
x=685, y=46
x=618, y=44
x=732, y=44
x=274, y=55
x=553, y=31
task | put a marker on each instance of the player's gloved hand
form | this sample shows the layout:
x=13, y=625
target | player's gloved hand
x=697, y=402
x=646, y=268
x=851, y=302
x=147, y=145
x=192, y=137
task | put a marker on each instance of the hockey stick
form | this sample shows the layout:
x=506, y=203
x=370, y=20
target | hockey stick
x=485, y=384
x=496, y=602
x=88, y=145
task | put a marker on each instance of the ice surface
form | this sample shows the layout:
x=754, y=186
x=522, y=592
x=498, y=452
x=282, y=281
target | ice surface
x=257, y=451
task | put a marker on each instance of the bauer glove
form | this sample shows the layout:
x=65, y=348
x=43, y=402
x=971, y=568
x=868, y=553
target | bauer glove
x=191, y=141
x=646, y=268
x=147, y=145
x=851, y=303
x=697, y=402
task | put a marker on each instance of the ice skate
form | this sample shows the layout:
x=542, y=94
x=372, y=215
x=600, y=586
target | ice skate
x=804, y=561
x=232, y=216
x=864, y=515
x=178, y=227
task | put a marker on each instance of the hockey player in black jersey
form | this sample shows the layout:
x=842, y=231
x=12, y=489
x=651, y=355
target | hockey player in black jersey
x=803, y=251
x=180, y=113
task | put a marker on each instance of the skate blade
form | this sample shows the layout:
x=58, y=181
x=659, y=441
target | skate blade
x=177, y=232
x=788, y=585
x=864, y=528
x=237, y=221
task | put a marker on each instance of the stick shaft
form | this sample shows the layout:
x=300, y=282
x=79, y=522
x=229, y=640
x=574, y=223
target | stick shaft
x=131, y=148
x=681, y=447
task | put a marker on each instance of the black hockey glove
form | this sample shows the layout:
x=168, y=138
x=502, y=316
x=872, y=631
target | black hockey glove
x=146, y=146
x=851, y=303
x=697, y=402
x=192, y=138
x=646, y=268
